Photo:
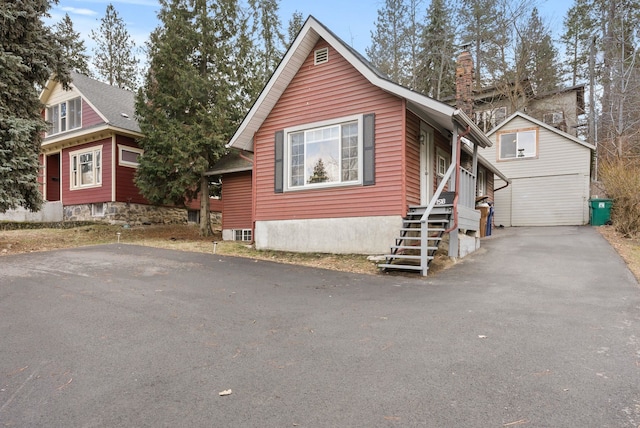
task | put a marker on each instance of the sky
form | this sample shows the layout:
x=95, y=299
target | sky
x=351, y=20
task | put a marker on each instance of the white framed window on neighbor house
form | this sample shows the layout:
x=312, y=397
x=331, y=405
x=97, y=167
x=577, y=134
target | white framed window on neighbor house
x=64, y=116
x=324, y=154
x=86, y=168
x=128, y=156
x=518, y=144
x=553, y=118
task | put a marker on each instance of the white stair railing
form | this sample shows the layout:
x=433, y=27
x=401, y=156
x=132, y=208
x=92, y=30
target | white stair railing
x=424, y=225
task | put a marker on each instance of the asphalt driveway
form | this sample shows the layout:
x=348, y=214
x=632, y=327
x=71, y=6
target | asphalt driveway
x=541, y=328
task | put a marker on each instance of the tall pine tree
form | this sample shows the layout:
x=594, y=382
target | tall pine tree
x=577, y=38
x=478, y=19
x=30, y=53
x=113, y=55
x=267, y=31
x=389, y=47
x=538, y=55
x=437, y=71
x=73, y=46
x=184, y=106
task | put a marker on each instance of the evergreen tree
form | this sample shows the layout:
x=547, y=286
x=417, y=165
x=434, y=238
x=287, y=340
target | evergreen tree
x=437, y=72
x=73, y=46
x=479, y=21
x=538, y=56
x=389, y=48
x=247, y=68
x=113, y=55
x=295, y=25
x=267, y=30
x=30, y=53
x=577, y=38
x=319, y=173
x=185, y=106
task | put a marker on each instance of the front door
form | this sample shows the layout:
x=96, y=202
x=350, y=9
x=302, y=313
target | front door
x=53, y=177
x=426, y=164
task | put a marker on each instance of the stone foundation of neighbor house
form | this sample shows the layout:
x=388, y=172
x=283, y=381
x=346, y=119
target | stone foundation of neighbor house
x=133, y=214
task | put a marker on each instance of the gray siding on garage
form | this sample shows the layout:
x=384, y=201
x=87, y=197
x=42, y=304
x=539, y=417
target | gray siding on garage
x=552, y=189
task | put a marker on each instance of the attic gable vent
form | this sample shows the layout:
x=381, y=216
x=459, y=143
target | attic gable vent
x=321, y=56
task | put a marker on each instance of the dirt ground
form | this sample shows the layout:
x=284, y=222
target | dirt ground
x=186, y=238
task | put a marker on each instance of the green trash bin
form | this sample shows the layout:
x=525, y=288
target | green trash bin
x=600, y=211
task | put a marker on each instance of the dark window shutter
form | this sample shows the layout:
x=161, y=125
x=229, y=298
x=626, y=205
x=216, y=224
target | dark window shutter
x=279, y=162
x=368, y=155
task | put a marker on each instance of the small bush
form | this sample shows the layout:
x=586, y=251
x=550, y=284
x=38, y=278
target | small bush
x=621, y=179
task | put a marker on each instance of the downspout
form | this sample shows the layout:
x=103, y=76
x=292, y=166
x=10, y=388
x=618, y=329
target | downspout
x=501, y=187
x=457, y=191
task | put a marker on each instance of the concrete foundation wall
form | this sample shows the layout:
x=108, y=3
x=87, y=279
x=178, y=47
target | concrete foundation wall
x=351, y=235
x=467, y=244
x=50, y=212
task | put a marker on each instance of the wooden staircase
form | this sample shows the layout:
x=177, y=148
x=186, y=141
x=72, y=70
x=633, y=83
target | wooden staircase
x=416, y=238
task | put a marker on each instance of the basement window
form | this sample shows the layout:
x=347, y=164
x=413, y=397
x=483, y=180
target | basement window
x=193, y=216
x=321, y=56
x=97, y=210
x=242, y=235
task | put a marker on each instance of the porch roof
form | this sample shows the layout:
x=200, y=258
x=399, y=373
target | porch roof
x=443, y=117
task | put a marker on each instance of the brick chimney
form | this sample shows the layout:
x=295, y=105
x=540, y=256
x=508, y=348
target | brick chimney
x=464, y=83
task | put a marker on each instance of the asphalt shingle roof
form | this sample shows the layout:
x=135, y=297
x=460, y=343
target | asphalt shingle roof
x=115, y=104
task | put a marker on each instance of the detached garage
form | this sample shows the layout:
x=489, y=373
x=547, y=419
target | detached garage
x=549, y=172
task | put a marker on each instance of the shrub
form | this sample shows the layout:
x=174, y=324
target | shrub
x=621, y=179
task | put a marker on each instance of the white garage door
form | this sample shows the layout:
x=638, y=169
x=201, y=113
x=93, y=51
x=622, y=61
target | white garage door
x=550, y=201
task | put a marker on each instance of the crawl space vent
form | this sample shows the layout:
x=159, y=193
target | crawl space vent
x=321, y=56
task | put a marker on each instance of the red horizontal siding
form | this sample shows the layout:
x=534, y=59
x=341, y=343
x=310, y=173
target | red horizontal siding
x=236, y=201
x=126, y=189
x=413, y=159
x=89, y=116
x=93, y=194
x=331, y=91
x=215, y=205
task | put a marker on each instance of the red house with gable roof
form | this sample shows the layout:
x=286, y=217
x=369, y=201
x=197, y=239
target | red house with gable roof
x=89, y=155
x=344, y=160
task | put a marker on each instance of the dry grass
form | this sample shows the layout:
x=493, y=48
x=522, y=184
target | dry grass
x=181, y=238
x=186, y=238
x=628, y=248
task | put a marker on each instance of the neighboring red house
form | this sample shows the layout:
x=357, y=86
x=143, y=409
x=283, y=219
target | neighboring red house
x=346, y=161
x=89, y=155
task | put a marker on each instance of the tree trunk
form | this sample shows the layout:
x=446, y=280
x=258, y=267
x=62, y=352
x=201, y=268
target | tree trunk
x=205, y=228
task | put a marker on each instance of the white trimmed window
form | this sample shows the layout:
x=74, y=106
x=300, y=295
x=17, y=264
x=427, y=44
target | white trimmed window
x=324, y=154
x=128, y=156
x=443, y=161
x=519, y=144
x=553, y=118
x=86, y=168
x=242, y=235
x=65, y=116
x=482, y=183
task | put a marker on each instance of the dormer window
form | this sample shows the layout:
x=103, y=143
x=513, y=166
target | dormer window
x=65, y=116
x=321, y=56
